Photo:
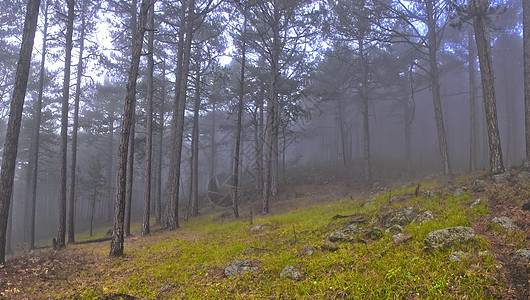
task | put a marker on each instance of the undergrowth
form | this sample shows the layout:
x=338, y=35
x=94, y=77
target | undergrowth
x=189, y=262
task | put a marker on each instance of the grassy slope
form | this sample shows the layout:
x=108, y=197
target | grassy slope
x=189, y=262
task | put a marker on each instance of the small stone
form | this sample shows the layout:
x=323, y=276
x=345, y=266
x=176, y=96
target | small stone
x=375, y=234
x=307, y=251
x=484, y=253
x=346, y=233
x=526, y=206
x=476, y=202
x=259, y=228
x=504, y=222
x=291, y=272
x=429, y=194
x=526, y=165
x=397, y=237
x=501, y=178
x=369, y=202
x=457, y=256
x=402, y=217
x=460, y=191
x=239, y=267
x=424, y=216
x=167, y=287
x=479, y=186
x=329, y=246
x=395, y=229
x=522, y=255
x=523, y=175
x=447, y=237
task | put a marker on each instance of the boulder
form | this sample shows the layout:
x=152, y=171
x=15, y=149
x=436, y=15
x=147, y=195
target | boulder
x=505, y=222
x=424, y=217
x=501, y=178
x=239, y=267
x=395, y=229
x=460, y=191
x=291, y=272
x=347, y=233
x=522, y=255
x=447, y=237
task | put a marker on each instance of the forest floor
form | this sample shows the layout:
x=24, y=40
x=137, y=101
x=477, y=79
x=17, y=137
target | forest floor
x=189, y=263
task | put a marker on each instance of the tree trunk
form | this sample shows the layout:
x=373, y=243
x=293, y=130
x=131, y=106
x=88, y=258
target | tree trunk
x=194, y=195
x=178, y=125
x=526, y=43
x=435, y=76
x=32, y=180
x=9, y=157
x=130, y=154
x=236, y=183
x=472, y=104
x=212, y=143
x=110, y=166
x=366, y=120
x=116, y=246
x=73, y=163
x=488, y=89
x=64, y=124
x=149, y=122
x=158, y=198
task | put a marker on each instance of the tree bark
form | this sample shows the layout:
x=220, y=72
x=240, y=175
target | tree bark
x=158, y=198
x=365, y=102
x=130, y=154
x=194, y=195
x=149, y=123
x=9, y=157
x=61, y=233
x=110, y=166
x=435, y=77
x=32, y=180
x=116, y=246
x=73, y=163
x=236, y=183
x=526, y=44
x=472, y=103
x=178, y=124
x=488, y=89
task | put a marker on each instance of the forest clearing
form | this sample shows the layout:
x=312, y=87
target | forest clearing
x=191, y=263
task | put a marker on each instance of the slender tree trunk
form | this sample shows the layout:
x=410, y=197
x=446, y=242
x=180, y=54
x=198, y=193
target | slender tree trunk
x=488, y=89
x=73, y=163
x=526, y=43
x=149, y=122
x=194, y=195
x=130, y=154
x=236, y=183
x=32, y=180
x=213, y=143
x=366, y=117
x=61, y=234
x=93, y=204
x=260, y=138
x=9, y=157
x=435, y=77
x=158, y=198
x=178, y=125
x=109, y=167
x=472, y=103
x=340, y=120
x=116, y=246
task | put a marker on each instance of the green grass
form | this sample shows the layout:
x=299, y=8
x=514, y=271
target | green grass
x=188, y=263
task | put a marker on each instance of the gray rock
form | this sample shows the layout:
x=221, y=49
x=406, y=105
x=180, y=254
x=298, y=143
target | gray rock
x=505, y=222
x=167, y=287
x=479, y=186
x=476, y=202
x=526, y=206
x=398, y=236
x=347, y=233
x=291, y=272
x=523, y=175
x=377, y=187
x=424, y=217
x=375, y=234
x=259, y=228
x=307, y=251
x=460, y=191
x=522, y=255
x=526, y=165
x=239, y=267
x=369, y=202
x=402, y=217
x=447, y=237
x=457, y=256
x=395, y=229
x=484, y=253
x=429, y=194
x=501, y=178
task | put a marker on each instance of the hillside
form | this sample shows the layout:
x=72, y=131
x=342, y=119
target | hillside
x=337, y=242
